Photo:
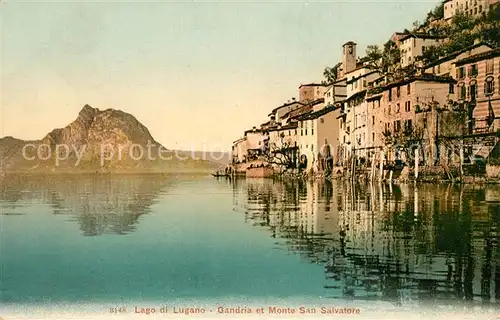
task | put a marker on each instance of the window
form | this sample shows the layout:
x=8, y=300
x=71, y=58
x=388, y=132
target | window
x=473, y=92
x=423, y=49
x=425, y=123
x=490, y=66
x=438, y=68
x=408, y=106
x=489, y=86
x=373, y=136
x=397, y=107
x=452, y=88
x=463, y=91
x=390, y=94
x=312, y=147
x=373, y=120
x=473, y=70
x=397, y=126
x=398, y=92
x=480, y=8
x=408, y=89
x=461, y=73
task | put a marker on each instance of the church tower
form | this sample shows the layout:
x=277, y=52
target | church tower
x=349, y=57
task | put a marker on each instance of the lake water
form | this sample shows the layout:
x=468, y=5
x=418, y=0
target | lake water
x=125, y=241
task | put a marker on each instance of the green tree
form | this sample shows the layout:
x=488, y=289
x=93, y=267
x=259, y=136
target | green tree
x=431, y=54
x=373, y=57
x=438, y=11
x=490, y=26
x=461, y=22
x=390, y=56
x=331, y=74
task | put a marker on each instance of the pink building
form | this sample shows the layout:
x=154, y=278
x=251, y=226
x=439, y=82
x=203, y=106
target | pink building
x=478, y=77
x=408, y=104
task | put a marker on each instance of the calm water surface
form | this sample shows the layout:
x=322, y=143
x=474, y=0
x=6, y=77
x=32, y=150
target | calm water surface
x=148, y=238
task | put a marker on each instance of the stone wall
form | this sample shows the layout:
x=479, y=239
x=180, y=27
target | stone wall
x=262, y=172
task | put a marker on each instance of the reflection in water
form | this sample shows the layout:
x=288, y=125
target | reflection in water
x=394, y=243
x=100, y=204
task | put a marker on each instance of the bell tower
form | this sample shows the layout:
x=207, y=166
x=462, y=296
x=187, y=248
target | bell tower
x=349, y=57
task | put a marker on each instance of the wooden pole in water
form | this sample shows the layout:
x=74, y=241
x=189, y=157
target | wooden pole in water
x=461, y=160
x=372, y=175
x=416, y=164
x=381, y=165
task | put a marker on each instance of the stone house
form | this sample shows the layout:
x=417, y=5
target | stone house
x=469, y=7
x=408, y=105
x=478, y=82
x=413, y=45
x=239, y=151
x=318, y=137
x=446, y=65
x=311, y=92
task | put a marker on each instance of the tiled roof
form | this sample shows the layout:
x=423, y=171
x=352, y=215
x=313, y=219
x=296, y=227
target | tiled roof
x=285, y=105
x=419, y=36
x=424, y=77
x=359, y=94
x=312, y=85
x=292, y=125
x=455, y=54
x=362, y=76
x=479, y=56
x=319, y=113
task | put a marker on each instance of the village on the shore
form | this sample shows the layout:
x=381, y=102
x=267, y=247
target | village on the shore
x=424, y=106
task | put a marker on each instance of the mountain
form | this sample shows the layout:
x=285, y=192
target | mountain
x=105, y=141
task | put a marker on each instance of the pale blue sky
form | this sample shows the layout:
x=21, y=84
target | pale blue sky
x=193, y=73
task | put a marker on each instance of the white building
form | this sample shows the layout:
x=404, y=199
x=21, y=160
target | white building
x=469, y=7
x=413, y=45
x=354, y=124
x=318, y=137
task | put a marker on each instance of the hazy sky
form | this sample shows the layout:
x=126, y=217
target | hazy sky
x=193, y=73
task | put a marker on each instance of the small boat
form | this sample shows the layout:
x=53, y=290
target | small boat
x=217, y=174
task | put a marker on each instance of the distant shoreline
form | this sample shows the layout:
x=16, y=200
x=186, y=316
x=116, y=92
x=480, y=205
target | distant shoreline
x=111, y=173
